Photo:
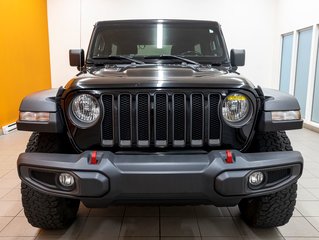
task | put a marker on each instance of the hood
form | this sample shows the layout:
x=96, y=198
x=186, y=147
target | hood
x=158, y=76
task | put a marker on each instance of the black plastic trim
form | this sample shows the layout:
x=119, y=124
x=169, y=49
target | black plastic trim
x=279, y=101
x=160, y=177
x=43, y=101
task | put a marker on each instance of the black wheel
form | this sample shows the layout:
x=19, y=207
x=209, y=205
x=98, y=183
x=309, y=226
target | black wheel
x=274, y=209
x=42, y=210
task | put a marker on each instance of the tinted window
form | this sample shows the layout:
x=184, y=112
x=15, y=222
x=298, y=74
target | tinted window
x=139, y=40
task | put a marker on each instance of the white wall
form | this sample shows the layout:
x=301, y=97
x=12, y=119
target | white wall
x=246, y=24
x=294, y=15
x=64, y=34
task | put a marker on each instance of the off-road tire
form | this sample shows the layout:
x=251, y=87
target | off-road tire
x=271, y=210
x=43, y=210
x=270, y=142
x=49, y=143
x=48, y=212
x=274, y=209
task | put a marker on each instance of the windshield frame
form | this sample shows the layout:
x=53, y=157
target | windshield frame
x=193, y=23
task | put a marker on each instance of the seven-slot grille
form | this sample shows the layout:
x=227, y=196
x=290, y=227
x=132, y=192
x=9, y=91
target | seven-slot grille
x=161, y=119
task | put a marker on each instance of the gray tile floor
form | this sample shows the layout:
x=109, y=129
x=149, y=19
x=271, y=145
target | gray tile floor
x=151, y=223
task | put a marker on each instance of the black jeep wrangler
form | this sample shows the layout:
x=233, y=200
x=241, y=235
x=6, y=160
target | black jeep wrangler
x=159, y=115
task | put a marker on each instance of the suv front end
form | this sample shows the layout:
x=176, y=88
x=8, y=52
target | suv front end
x=138, y=125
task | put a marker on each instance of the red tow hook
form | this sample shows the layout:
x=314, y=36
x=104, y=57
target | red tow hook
x=229, y=157
x=93, y=159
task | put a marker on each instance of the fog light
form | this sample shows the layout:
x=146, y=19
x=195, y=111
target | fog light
x=66, y=179
x=256, y=178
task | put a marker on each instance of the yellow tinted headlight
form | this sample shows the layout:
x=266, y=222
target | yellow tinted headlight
x=236, y=108
x=236, y=97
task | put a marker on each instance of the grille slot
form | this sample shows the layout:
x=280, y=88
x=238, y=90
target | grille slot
x=214, y=130
x=179, y=120
x=125, y=120
x=197, y=120
x=108, y=122
x=161, y=119
x=143, y=119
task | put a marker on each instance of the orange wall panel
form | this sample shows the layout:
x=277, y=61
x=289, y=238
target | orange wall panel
x=24, y=54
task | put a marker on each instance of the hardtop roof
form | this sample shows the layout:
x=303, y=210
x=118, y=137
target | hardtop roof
x=136, y=21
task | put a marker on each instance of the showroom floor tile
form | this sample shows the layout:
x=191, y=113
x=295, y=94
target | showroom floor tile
x=160, y=222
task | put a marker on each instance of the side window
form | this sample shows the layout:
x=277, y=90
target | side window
x=197, y=48
x=114, y=49
x=99, y=48
x=215, y=46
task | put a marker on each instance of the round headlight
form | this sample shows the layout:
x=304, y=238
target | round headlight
x=236, y=109
x=86, y=109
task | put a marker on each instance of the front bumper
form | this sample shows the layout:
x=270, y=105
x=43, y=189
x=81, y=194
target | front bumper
x=160, y=178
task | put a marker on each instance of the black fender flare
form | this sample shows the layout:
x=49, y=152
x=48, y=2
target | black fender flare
x=275, y=100
x=42, y=101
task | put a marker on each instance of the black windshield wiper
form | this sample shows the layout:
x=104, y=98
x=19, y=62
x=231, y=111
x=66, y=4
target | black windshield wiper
x=118, y=57
x=186, y=60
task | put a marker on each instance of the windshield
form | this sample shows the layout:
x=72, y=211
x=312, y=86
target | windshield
x=199, y=42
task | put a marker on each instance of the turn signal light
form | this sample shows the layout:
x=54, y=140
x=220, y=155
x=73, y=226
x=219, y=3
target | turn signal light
x=35, y=116
x=285, y=115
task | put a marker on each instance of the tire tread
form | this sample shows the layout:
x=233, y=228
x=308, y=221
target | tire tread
x=271, y=210
x=43, y=210
x=277, y=208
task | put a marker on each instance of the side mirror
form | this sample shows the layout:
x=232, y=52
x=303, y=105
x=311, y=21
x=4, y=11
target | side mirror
x=76, y=57
x=237, y=57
